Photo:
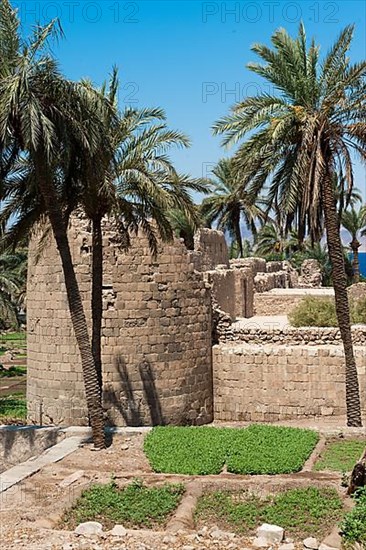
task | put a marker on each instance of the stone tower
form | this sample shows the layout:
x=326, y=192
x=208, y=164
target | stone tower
x=156, y=336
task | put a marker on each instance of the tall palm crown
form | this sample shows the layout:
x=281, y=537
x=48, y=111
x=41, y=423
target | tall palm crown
x=305, y=130
x=230, y=203
x=297, y=140
x=133, y=182
x=272, y=241
x=43, y=117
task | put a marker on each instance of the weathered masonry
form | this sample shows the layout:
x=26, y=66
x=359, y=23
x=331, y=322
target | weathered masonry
x=176, y=345
x=157, y=326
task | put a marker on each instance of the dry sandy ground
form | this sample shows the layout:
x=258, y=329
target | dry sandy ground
x=30, y=512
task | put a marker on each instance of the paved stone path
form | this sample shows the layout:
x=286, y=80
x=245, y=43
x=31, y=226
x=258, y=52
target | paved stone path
x=33, y=465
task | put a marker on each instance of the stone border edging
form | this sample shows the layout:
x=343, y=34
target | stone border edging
x=289, y=335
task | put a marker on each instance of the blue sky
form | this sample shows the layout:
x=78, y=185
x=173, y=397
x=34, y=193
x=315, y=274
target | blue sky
x=188, y=57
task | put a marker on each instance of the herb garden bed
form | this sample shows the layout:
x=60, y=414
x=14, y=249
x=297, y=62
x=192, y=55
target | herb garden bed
x=301, y=512
x=258, y=449
x=133, y=506
x=340, y=455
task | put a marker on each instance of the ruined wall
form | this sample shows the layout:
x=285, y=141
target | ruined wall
x=210, y=249
x=266, y=303
x=280, y=301
x=272, y=382
x=284, y=334
x=156, y=338
x=222, y=282
x=244, y=292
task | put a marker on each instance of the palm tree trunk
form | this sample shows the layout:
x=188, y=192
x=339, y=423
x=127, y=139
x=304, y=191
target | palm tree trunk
x=341, y=300
x=238, y=236
x=355, y=245
x=92, y=392
x=97, y=297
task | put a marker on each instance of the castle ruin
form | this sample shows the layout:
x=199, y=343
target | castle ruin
x=174, y=349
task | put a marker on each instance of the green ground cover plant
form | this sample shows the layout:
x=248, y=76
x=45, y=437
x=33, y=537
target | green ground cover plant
x=132, y=506
x=12, y=371
x=11, y=336
x=258, y=449
x=353, y=527
x=187, y=449
x=340, y=456
x=242, y=512
x=262, y=449
x=13, y=407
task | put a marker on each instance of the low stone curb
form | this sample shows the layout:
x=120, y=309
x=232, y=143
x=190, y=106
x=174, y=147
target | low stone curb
x=54, y=454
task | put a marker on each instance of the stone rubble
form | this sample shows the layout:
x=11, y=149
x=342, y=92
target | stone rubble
x=89, y=528
x=311, y=543
x=311, y=275
x=272, y=534
x=270, y=537
x=118, y=531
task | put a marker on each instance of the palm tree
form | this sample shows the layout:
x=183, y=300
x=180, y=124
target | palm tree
x=354, y=221
x=271, y=240
x=183, y=227
x=345, y=198
x=134, y=183
x=230, y=203
x=42, y=117
x=298, y=139
x=13, y=274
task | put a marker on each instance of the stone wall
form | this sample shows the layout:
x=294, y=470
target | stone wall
x=210, y=249
x=287, y=335
x=258, y=383
x=244, y=292
x=281, y=301
x=281, y=274
x=232, y=291
x=266, y=303
x=156, y=339
x=222, y=282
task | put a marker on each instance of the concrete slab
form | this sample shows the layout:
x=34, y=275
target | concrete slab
x=33, y=465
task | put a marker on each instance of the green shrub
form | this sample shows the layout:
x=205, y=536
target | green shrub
x=358, y=311
x=321, y=312
x=133, y=506
x=314, y=312
x=353, y=526
x=301, y=512
x=258, y=449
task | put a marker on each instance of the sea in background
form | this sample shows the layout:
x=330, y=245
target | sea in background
x=362, y=256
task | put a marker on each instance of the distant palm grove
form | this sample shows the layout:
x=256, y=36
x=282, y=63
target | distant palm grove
x=67, y=147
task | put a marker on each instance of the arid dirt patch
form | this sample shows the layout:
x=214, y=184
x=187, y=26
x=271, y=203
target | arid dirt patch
x=31, y=511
